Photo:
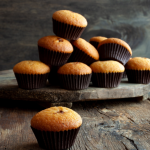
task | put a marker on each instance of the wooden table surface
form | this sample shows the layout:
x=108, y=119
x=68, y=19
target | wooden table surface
x=107, y=125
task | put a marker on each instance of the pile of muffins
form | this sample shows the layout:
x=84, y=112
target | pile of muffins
x=71, y=62
x=72, y=65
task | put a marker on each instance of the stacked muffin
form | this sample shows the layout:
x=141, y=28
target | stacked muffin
x=72, y=62
x=56, y=51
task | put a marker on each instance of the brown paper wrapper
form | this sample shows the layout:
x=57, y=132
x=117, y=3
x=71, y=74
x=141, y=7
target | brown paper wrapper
x=53, y=76
x=106, y=80
x=31, y=81
x=74, y=82
x=138, y=76
x=124, y=75
x=55, y=140
x=112, y=51
x=95, y=44
x=52, y=58
x=79, y=56
x=67, y=31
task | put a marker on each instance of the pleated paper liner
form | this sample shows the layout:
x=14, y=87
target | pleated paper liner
x=55, y=140
x=67, y=31
x=138, y=76
x=95, y=44
x=106, y=80
x=31, y=81
x=53, y=76
x=52, y=58
x=112, y=51
x=74, y=82
x=124, y=75
x=79, y=56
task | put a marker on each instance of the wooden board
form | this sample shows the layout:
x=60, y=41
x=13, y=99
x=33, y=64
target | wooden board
x=9, y=90
x=107, y=125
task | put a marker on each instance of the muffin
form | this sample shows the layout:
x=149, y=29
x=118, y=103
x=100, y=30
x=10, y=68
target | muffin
x=138, y=70
x=106, y=74
x=54, y=51
x=68, y=24
x=114, y=49
x=74, y=76
x=83, y=52
x=96, y=40
x=31, y=74
x=56, y=128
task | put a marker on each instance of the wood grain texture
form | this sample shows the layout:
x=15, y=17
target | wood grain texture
x=22, y=23
x=107, y=125
x=55, y=94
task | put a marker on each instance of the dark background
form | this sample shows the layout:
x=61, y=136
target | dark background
x=22, y=23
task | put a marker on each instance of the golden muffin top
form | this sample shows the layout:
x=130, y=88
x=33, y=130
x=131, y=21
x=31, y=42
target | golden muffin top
x=86, y=47
x=55, y=43
x=109, y=66
x=69, y=17
x=98, y=39
x=56, y=119
x=138, y=63
x=31, y=67
x=116, y=41
x=75, y=68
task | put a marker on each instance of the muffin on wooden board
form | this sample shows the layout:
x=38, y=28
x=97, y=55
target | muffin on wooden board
x=31, y=74
x=56, y=128
x=54, y=51
x=74, y=76
x=68, y=24
x=114, y=49
x=96, y=40
x=83, y=52
x=107, y=74
x=138, y=70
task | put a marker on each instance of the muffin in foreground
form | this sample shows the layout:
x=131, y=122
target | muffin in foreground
x=74, y=76
x=106, y=74
x=31, y=74
x=138, y=70
x=54, y=51
x=68, y=24
x=114, y=49
x=83, y=52
x=56, y=128
x=96, y=40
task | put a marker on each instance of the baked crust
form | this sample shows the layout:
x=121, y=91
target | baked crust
x=56, y=119
x=31, y=67
x=109, y=66
x=75, y=68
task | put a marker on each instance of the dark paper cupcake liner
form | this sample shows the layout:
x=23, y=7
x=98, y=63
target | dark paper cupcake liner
x=79, y=56
x=124, y=75
x=74, y=82
x=138, y=76
x=55, y=140
x=52, y=58
x=106, y=80
x=112, y=51
x=67, y=31
x=95, y=44
x=31, y=81
x=53, y=76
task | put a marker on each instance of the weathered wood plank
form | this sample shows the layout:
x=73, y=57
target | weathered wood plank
x=55, y=94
